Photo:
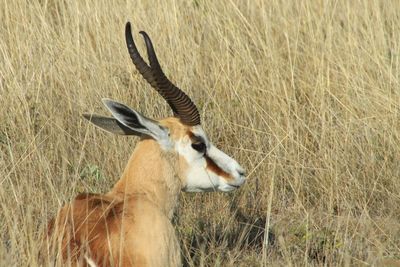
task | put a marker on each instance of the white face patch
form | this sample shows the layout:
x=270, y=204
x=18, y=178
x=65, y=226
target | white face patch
x=209, y=171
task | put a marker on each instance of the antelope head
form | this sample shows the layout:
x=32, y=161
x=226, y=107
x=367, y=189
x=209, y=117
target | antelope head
x=205, y=167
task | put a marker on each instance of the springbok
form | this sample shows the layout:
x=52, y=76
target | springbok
x=131, y=224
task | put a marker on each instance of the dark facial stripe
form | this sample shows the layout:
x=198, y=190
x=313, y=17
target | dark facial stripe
x=212, y=166
x=195, y=138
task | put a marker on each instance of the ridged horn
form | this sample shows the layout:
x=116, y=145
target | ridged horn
x=180, y=103
x=137, y=59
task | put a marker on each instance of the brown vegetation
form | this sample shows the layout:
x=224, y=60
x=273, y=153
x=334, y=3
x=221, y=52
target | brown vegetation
x=305, y=94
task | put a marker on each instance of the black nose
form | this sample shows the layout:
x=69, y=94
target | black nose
x=242, y=173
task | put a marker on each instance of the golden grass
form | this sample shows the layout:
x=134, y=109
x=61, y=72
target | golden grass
x=305, y=94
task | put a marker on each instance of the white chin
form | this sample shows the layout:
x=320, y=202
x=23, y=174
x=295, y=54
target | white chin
x=199, y=189
x=222, y=188
x=226, y=188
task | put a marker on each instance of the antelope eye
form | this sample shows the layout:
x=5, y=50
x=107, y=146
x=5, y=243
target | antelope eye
x=199, y=147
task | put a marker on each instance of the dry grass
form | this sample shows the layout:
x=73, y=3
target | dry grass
x=304, y=94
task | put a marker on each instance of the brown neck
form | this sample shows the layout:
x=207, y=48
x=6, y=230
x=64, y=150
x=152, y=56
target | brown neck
x=151, y=172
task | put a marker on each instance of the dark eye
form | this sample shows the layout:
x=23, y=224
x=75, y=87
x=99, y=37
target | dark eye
x=200, y=147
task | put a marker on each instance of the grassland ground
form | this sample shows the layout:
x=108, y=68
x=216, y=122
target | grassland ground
x=305, y=94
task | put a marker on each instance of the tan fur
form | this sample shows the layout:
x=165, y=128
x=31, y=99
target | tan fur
x=131, y=224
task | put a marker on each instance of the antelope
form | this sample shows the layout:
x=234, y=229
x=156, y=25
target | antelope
x=131, y=224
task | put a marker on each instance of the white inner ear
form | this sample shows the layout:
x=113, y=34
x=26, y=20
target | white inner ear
x=137, y=122
x=152, y=128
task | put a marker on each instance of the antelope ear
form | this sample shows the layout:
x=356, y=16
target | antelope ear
x=136, y=121
x=110, y=125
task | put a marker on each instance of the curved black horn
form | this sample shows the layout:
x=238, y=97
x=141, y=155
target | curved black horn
x=180, y=103
x=137, y=60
